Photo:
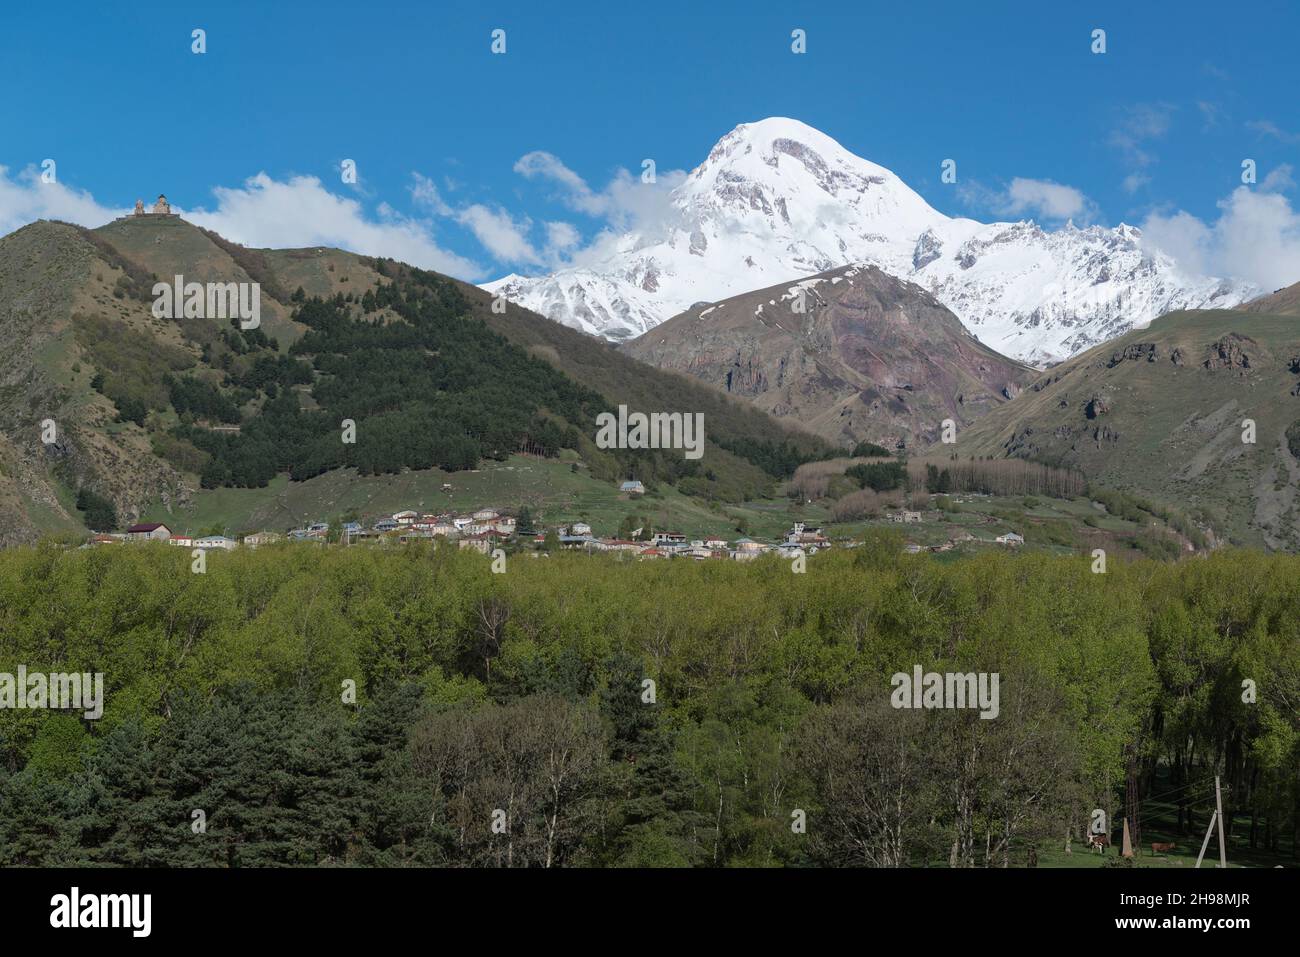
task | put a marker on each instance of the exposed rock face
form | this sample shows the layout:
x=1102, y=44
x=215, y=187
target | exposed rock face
x=852, y=354
x=1132, y=353
x=1229, y=353
x=1096, y=406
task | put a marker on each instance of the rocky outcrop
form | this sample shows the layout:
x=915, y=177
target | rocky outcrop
x=1230, y=353
x=1138, y=351
x=1096, y=406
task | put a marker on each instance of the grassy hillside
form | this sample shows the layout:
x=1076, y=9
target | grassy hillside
x=156, y=414
x=1160, y=412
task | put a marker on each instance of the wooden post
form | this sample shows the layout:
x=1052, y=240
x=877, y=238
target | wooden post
x=1218, y=804
x=1206, y=843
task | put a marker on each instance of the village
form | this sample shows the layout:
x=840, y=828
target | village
x=487, y=529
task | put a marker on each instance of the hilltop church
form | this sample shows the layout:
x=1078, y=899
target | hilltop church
x=160, y=208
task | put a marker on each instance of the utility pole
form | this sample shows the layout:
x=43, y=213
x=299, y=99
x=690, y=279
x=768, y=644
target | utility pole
x=1218, y=805
x=1206, y=843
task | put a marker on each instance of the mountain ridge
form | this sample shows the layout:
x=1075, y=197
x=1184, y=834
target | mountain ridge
x=777, y=199
x=853, y=354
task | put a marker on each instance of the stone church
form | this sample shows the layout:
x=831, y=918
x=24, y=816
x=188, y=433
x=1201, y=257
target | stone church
x=160, y=208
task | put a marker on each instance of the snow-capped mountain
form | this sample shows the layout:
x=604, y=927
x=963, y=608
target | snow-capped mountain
x=777, y=199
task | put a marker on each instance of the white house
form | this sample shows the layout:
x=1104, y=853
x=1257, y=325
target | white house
x=669, y=538
x=146, y=531
x=405, y=517
x=1010, y=538
x=216, y=541
x=579, y=528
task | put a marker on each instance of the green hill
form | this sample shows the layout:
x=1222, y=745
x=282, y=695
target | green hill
x=1159, y=412
x=152, y=414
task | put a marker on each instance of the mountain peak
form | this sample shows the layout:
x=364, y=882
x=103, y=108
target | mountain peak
x=777, y=200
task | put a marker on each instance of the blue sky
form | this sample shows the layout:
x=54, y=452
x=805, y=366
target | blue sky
x=1152, y=130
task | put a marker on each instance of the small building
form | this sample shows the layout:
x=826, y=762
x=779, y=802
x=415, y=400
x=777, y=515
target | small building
x=405, y=517
x=1010, y=538
x=579, y=528
x=621, y=545
x=669, y=538
x=385, y=525
x=262, y=538
x=486, y=515
x=216, y=541
x=148, y=531
x=182, y=541
x=632, y=488
x=483, y=542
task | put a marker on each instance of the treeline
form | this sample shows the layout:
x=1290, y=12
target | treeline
x=408, y=706
x=435, y=389
x=995, y=477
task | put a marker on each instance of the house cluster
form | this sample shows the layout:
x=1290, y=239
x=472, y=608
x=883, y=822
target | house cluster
x=1010, y=539
x=158, y=532
x=798, y=541
x=487, y=529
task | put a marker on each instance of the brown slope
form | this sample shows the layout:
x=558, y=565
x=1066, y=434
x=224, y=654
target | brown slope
x=1283, y=302
x=1159, y=412
x=871, y=358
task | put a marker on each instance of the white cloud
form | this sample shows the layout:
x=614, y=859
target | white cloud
x=499, y=234
x=1135, y=181
x=301, y=212
x=1041, y=198
x=1050, y=200
x=425, y=193
x=626, y=203
x=1256, y=237
x=562, y=236
x=1269, y=128
x=540, y=163
x=25, y=199
x=1140, y=125
x=1278, y=179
